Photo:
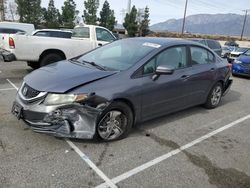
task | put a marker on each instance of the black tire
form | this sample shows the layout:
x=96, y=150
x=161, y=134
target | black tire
x=216, y=92
x=125, y=111
x=33, y=64
x=50, y=58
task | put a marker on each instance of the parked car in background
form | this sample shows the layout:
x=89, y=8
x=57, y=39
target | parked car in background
x=104, y=92
x=40, y=51
x=231, y=43
x=236, y=53
x=241, y=65
x=226, y=50
x=53, y=33
x=212, y=44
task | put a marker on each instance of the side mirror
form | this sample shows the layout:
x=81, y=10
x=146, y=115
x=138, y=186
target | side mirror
x=162, y=70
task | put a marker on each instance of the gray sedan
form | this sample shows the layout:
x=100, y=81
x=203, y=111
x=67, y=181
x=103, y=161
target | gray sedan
x=103, y=93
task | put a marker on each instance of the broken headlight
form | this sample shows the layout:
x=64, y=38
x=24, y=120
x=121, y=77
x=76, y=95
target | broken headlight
x=57, y=99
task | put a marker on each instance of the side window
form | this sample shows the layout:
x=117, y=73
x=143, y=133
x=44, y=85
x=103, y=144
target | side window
x=81, y=32
x=201, y=56
x=104, y=35
x=175, y=57
x=149, y=68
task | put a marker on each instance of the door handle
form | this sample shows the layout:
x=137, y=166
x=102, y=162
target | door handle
x=212, y=69
x=99, y=44
x=185, y=76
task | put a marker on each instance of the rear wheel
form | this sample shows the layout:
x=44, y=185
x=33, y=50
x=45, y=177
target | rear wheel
x=214, y=97
x=50, y=58
x=115, y=122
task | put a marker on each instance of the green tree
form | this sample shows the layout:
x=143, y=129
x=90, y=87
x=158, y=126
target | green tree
x=107, y=17
x=89, y=14
x=130, y=23
x=52, y=16
x=29, y=11
x=144, y=25
x=68, y=13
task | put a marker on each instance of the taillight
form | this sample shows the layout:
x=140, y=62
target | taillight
x=11, y=43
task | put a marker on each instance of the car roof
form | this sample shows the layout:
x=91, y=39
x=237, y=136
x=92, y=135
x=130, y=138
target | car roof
x=52, y=30
x=166, y=41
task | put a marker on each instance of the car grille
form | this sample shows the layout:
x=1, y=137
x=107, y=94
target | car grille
x=28, y=92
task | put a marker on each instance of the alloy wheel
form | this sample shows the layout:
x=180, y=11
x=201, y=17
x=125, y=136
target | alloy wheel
x=112, y=125
x=216, y=95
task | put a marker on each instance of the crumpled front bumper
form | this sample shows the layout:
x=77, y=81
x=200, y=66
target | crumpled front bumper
x=71, y=121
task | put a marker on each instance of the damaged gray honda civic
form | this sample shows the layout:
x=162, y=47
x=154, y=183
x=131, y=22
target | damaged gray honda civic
x=103, y=93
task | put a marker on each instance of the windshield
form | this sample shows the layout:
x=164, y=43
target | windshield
x=119, y=55
x=247, y=53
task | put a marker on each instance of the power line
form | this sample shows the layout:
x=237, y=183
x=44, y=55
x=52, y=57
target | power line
x=244, y=23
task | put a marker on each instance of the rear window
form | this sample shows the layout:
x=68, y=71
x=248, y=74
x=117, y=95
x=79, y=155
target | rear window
x=60, y=34
x=57, y=34
x=81, y=32
x=10, y=31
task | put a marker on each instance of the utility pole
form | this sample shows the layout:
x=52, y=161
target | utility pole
x=184, y=18
x=244, y=23
x=2, y=11
x=129, y=6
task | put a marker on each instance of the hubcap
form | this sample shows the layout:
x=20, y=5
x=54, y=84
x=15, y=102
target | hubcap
x=112, y=125
x=216, y=96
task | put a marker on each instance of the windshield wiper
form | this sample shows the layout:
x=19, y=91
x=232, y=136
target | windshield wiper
x=95, y=65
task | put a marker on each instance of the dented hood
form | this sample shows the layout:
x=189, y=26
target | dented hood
x=64, y=75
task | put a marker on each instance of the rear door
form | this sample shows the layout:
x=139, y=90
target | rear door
x=204, y=72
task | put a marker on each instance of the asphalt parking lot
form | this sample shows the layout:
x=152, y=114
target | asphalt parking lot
x=192, y=148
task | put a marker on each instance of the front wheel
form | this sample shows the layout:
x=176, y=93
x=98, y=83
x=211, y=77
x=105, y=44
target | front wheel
x=214, y=97
x=50, y=58
x=115, y=122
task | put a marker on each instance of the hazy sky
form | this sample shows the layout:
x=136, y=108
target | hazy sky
x=162, y=10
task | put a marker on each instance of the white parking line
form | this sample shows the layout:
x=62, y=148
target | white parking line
x=11, y=83
x=83, y=156
x=91, y=164
x=7, y=89
x=157, y=160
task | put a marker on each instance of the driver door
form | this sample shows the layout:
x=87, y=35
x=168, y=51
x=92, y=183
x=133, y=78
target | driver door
x=103, y=37
x=168, y=93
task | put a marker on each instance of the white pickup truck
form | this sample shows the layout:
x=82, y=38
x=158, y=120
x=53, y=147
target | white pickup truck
x=40, y=51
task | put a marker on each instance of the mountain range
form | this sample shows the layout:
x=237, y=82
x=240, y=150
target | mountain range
x=220, y=24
